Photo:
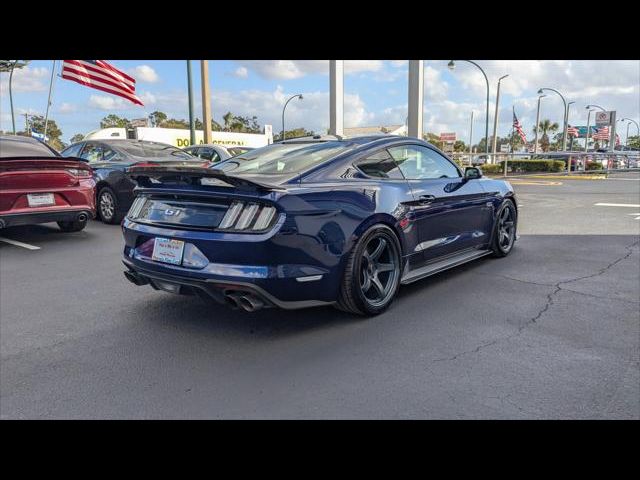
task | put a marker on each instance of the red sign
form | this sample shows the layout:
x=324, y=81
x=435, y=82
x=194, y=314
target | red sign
x=448, y=137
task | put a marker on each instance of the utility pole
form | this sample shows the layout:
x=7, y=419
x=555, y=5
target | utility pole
x=336, y=98
x=416, y=98
x=206, y=100
x=192, y=123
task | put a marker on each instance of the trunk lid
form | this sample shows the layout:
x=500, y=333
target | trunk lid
x=40, y=173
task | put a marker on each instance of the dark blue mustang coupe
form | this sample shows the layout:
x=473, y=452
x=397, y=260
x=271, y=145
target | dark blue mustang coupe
x=313, y=221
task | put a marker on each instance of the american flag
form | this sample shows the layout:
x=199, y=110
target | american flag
x=601, y=133
x=100, y=75
x=573, y=131
x=518, y=128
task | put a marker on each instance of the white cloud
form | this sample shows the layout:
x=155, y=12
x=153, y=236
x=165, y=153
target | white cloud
x=144, y=73
x=241, y=72
x=292, y=69
x=27, y=80
x=103, y=102
x=66, y=107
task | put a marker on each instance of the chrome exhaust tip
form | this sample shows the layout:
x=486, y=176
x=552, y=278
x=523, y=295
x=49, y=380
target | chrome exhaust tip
x=251, y=303
x=135, y=278
x=232, y=300
x=82, y=217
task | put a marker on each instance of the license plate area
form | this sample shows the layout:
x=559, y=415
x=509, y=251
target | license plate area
x=40, y=199
x=167, y=250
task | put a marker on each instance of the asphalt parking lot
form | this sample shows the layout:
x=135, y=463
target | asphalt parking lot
x=552, y=331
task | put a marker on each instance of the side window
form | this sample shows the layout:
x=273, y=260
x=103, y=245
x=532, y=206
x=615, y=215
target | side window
x=380, y=165
x=209, y=153
x=92, y=152
x=109, y=155
x=418, y=162
x=192, y=151
x=72, y=151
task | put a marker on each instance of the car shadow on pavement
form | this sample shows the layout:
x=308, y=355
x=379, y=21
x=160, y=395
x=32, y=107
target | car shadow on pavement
x=192, y=314
x=40, y=234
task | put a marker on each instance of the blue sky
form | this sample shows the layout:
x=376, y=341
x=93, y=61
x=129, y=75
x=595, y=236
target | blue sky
x=375, y=93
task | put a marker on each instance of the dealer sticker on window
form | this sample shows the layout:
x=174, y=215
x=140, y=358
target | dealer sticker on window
x=167, y=250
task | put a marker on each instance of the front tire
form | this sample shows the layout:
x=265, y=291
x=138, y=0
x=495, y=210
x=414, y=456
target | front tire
x=372, y=274
x=108, y=206
x=504, y=234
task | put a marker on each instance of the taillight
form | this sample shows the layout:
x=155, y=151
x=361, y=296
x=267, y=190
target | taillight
x=136, y=207
x=79, y=172
x=248, y=216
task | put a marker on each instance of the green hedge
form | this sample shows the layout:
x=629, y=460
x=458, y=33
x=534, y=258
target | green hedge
x=594, y=166
x=492, y=168
x=534, y=165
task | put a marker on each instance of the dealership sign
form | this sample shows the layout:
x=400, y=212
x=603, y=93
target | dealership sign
x=448, y=137
x=603, y=119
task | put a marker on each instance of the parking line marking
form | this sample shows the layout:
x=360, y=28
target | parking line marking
x=19, y=244
x=630, y=205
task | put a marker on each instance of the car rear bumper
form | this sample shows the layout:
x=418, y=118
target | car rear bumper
x=232, y=292
x=32, y=218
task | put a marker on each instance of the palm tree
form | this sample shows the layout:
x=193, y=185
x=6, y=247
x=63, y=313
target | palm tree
x=545, y=126
x=228, y=118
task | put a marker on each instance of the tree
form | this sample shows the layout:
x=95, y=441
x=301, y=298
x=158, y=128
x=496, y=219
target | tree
x=157, y=118
x=459, y=146
x=227, y=118
x=634, y=141
x=36, y=123
x=173, y=123
x=545, y=127
x=296, y=132
x=114, y=121
x=76, y=138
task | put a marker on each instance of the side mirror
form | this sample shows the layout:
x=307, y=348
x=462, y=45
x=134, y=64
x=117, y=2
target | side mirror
x=472, y=172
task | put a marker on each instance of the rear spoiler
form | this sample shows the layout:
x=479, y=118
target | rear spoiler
x=144, y=174
x=28, y=163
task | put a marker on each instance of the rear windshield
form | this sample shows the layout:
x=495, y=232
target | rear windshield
x=284, y=158
x=154, y=150
x=17, y=148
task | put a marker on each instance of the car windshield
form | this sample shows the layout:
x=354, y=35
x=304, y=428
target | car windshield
x=284, y=158
x=17, y=148
x=155, y=150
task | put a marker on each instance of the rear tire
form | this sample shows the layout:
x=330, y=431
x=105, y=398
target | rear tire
x=74, y=226
x=504, y=233
x=372, y=275
x=108, y=206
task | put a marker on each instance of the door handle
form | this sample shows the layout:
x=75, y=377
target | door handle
x=425, y=199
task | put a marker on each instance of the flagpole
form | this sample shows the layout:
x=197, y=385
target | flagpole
x=46, y=117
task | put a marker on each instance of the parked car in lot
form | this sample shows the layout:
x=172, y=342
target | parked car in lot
x=38, y=185
x=215, y=153
x=313, y=221
x=111, y=158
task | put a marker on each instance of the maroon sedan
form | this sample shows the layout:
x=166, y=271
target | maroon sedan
x=37, y=185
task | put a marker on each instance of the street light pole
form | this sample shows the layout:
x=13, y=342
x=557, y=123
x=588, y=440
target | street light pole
x=495, y=116
x=471, y=140
x=571, y=142
x=13, y=118
x=637, y=126
x=298, y=95
x=535, y=147
x=586, y=139
x=564, y=133
x=451, y=66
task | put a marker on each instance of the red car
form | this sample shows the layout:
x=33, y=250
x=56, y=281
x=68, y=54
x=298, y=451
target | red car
x=37, y=185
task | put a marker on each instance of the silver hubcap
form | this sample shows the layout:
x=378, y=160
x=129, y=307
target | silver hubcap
x=107, y=205
x=379, y=271
x=506, y=229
